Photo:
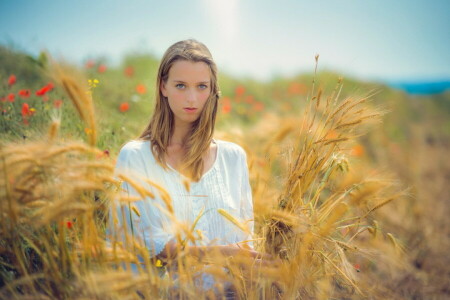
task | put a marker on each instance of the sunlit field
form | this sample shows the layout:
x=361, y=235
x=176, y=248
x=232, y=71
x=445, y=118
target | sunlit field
x=349, y=179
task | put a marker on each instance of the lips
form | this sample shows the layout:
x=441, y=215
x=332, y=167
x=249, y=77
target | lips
x=190, y=109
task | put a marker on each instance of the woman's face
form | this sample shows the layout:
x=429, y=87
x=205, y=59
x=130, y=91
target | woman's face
x=187, y=89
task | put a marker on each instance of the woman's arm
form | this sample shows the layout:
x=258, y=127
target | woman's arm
x=171, y=251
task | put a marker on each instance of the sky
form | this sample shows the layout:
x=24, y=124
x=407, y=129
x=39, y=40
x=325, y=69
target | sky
x=384, y=40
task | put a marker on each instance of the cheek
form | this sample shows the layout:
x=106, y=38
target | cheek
x=204, y=97
x=174, y=102
x=175, y=96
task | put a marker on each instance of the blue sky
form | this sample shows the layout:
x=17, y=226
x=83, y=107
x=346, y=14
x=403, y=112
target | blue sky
x=367, y=39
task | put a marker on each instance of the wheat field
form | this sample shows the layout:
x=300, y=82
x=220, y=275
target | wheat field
x=322, y=208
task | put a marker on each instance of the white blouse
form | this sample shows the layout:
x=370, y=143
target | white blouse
x=224, y=186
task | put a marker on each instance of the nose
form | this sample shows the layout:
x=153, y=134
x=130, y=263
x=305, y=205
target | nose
x=191, y=96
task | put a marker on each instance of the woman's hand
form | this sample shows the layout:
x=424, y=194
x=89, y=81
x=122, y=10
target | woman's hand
x=243, y=255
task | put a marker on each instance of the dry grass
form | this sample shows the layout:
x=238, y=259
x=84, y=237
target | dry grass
x=311, y=210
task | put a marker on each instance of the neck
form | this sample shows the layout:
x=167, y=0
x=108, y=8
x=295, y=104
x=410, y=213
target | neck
x=180, y=133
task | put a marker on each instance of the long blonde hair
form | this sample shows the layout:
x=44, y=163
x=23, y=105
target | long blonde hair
x=160, y=128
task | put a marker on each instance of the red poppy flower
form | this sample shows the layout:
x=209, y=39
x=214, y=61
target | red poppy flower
x=11, y=97
x=104, y=154
x=141, y=89
x=57, y=103
x=12, y=79
x=226, y=107
x=357, y=267
x=124, y=107
x=129, y=71
x=24, y=93
x=90, y=64
x=26, y=110
x=258, y=106
x=102, y=68
x=69, y=224
x=239, y=91
x=296, y=88
x=50, y=86
x=250, y=99
x=44, y=89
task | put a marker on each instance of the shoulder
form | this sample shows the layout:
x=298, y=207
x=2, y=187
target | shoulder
x=230, y=149
x=134, y=146
x=233, y=159
x=134, y=150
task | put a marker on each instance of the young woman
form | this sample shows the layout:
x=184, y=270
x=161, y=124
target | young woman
x=205, y=178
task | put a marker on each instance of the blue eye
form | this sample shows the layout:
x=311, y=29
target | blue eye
x=180, y=86
x=203, y=86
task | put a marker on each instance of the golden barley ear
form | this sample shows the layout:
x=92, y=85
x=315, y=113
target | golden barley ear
x=53, y=130
x=233, y=220
x=77, y=90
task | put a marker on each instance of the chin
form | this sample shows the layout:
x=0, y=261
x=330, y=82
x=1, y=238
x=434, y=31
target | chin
x=189, y=120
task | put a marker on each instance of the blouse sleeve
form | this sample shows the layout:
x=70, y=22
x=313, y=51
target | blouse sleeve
x=246, y=200
x=142, y=217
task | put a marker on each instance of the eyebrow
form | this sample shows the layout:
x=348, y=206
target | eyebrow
x=181, y=81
